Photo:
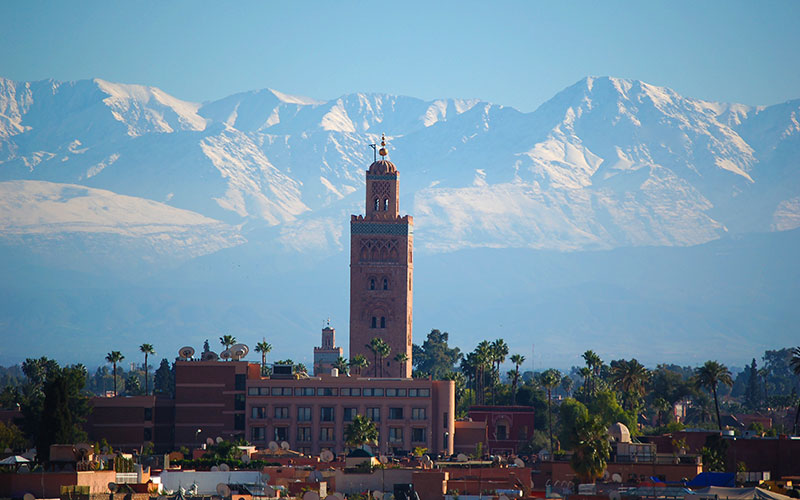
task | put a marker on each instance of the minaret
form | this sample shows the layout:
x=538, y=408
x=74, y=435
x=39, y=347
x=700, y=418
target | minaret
x=381, y=272
x=326, y=354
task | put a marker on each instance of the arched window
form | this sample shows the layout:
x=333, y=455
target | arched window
x=372, y=283
x=385, y=284
x=377, y=204
x=385, y=204
x=374, y=322
x=383, y=322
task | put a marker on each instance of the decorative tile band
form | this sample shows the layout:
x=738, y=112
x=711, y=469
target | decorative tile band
x=374, y=177
x=377, y=228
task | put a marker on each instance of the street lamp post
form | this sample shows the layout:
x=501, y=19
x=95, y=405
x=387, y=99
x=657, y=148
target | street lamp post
x=196, y=435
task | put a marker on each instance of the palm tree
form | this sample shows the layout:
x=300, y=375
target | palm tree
x=359, y=362
x=661, y=406
x=483, y=357
x=517, y=359
x=341, y=365
x=764, y=373
x=594, y=364
x=147, y=349
x=402, y=358
x=550, y=380
x=374, y=346
x=590, y=456
x=629, y=378
x=264, y=348
x=498, y=353
x=710, y=375
x=384, y=350
x=115, y=357
x=795, y=364
x=566, y=385
x=227, y=341
x=361, y=431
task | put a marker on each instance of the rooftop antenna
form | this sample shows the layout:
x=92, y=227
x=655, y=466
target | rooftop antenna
x=374, y=152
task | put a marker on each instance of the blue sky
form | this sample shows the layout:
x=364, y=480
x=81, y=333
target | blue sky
x=512, y=53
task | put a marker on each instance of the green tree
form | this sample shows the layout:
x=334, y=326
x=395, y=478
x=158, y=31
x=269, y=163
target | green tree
x=358, y=363
x=227, y=341
x=264, y=348
x=517, y=359
x=714, y=453
x=401, y=358
x=164, y=379
x=132, y=385
x=630, y=379
x=11, y=437
x=435, y=357
x=497, y=355
x=147, y=349
x=550, y=380
x=374, y=346
x=752, y=394
x=795, y=364
x=341, y=365
x=64, y=410
x=115, y=357
x=360, y=431
x=709, y=376
x=384, y=349
x=590, y=456
x=573, y=415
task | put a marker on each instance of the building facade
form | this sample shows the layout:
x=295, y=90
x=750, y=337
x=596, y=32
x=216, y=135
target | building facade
x=327, y=353
x=381, y=272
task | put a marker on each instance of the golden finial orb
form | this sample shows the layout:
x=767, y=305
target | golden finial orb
x=383, y=151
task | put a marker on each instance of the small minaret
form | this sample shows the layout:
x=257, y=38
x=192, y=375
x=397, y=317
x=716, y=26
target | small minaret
x=327, y=354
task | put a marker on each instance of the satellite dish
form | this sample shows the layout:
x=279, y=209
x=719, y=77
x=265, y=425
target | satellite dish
x=245, y=458
x=186, y=353
x=383, y=459
x=426, y=460
x=273, y=446
x=223, y=490
x=209, y=356
x=219, y=439
x=210, y=441
x=226, y=354
x=519, y=462
x=377, y=494
x=269, y=491
x=462, y=458
x=238, y=351
x=285, y=445
x=28, y=496
x=224, y=468
x=311, y=495
x=616, y=478
x=265, y=477
x=214, y=468
x=326, y=456
x=113, y=487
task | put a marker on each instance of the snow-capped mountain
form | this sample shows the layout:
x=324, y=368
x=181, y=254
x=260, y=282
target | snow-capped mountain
x=605, y=163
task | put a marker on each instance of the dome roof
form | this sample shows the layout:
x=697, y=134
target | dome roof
x=382, y=167
x=619, y=432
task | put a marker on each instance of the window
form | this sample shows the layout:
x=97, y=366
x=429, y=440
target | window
x=252, y=391
x=257, y=412
x=377, y=204
x=424, y=393
x=374, y=414
x=281, y=434
x=385, y=204
x=148, y=414
x=383, y=322
x=401, y=393
x=326, y=414
x=372, y=283
x=304, y=414
x=326, y=434
x=238, y=421
x=240, y=381
x=418, y=414
x=327, y=391
x=385, y=284
x=238, y=402
x=501, y=432
x=418, y=435
x=257, y=433
x=391, y=393
x=373, y=392
x=374, y=323
x=396, y=435
x=412, y=393
x=444, y=420
x=281, y=412
x=304, y=391
x=347, y=391
x=349, y=413
x=304, y=434
x=395, y=414
x=148, y=434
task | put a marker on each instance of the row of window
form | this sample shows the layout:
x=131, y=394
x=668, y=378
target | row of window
x=377, y=204
x=328, y=434
x=374, y=323
x=373, y=284
x=335, y=391
x=328, y=413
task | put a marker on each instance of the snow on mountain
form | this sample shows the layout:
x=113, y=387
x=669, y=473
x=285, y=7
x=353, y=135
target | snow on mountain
x=605, y=163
